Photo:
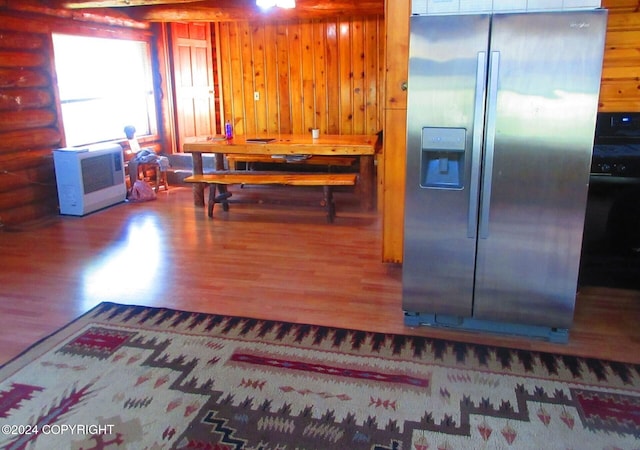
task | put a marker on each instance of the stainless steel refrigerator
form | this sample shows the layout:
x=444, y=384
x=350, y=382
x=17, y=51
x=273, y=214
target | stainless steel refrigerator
x=501, y=117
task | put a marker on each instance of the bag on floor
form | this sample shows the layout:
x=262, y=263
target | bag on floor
x=141, y=192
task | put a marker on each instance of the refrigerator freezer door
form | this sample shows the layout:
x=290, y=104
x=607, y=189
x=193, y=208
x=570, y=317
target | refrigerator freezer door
x=447, y=72
x=548, y=80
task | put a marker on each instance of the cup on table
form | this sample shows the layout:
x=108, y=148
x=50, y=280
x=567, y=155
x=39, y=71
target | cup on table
x=315, y=133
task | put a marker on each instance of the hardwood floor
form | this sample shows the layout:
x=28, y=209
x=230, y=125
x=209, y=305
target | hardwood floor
x=266, y=260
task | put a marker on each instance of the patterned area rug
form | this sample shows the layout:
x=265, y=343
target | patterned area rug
x=150, y=378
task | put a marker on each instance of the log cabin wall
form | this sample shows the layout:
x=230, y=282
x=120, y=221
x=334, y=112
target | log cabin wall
x=30, y=125
x=290, y=77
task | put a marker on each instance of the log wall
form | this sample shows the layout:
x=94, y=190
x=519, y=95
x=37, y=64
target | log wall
x=325, y=74
x=30, y=125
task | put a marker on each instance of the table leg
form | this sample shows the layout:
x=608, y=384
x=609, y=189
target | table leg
x=367, y=182
x=219, y=161
x=198, y=188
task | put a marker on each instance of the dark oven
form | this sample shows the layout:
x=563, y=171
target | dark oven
x=611, y=242
x=616, y=147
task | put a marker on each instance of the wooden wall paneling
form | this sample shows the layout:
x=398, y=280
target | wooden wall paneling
x=270, y=97
x=21, y=59
x=25, y=120
x=35, y=192
x=372, y=78
x=356, y=55
x=29, y=212
x=620, y=86
x=391, y=170
x=17, y=140
x=623, y=20
x=224, y=58
x=308, y=76
x=346, y=76
x=28, y=25
x=28, y=122
x=25, y=98
x=283, y=87
x=245, y=81
x=333, y=78
x=320, y=76
x=619, y=94
x=42, y=174
x=12, y=162
x=397, y=52
x=295, y=77
x=21, y=41
x=393, y=189
x=248, y=107
x=380, y=114
x=22, y=78
x=309, y=73
x=621, y=5
x=217, y=97
x=259, y=79
x=236, y=115
x=219, y=100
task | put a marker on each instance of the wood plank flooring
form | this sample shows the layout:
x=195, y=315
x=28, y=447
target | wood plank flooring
x=269, y=260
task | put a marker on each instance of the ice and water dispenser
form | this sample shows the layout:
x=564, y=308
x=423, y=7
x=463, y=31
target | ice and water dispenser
x=442, y=158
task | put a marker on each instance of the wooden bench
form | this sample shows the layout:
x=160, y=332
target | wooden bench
x=220, y=180
x=330, y=161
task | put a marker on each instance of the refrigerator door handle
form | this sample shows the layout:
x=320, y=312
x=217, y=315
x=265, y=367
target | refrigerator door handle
x=490, y=130
x=476, y=145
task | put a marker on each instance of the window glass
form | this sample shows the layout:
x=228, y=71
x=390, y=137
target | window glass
x=104, y=85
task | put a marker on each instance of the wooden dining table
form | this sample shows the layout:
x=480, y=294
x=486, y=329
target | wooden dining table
x=360, y=146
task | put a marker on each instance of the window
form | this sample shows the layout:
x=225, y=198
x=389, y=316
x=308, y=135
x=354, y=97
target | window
x=104, y=85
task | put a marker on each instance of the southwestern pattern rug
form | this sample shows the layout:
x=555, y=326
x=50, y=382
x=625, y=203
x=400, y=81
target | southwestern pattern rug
x=151, y=378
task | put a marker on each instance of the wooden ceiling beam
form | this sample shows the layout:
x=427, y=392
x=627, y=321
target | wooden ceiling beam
x=80, y=4
x=225, y=10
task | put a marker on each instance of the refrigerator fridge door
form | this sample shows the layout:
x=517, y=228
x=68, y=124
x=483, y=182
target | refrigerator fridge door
x=500, y=124
x=542, y=99
x=447, y=71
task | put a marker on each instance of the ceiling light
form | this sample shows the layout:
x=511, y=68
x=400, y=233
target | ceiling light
x=285, y=4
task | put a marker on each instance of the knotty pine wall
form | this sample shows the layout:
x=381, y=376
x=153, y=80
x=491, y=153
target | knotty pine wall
x=620, y=87
x=325, y=74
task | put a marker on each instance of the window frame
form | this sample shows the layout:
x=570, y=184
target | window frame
x=105, y=32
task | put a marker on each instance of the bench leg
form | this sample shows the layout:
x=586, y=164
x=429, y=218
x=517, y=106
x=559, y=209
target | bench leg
x=221, y=198
x=329, y=203
x=212, y=199
x=224, y=195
